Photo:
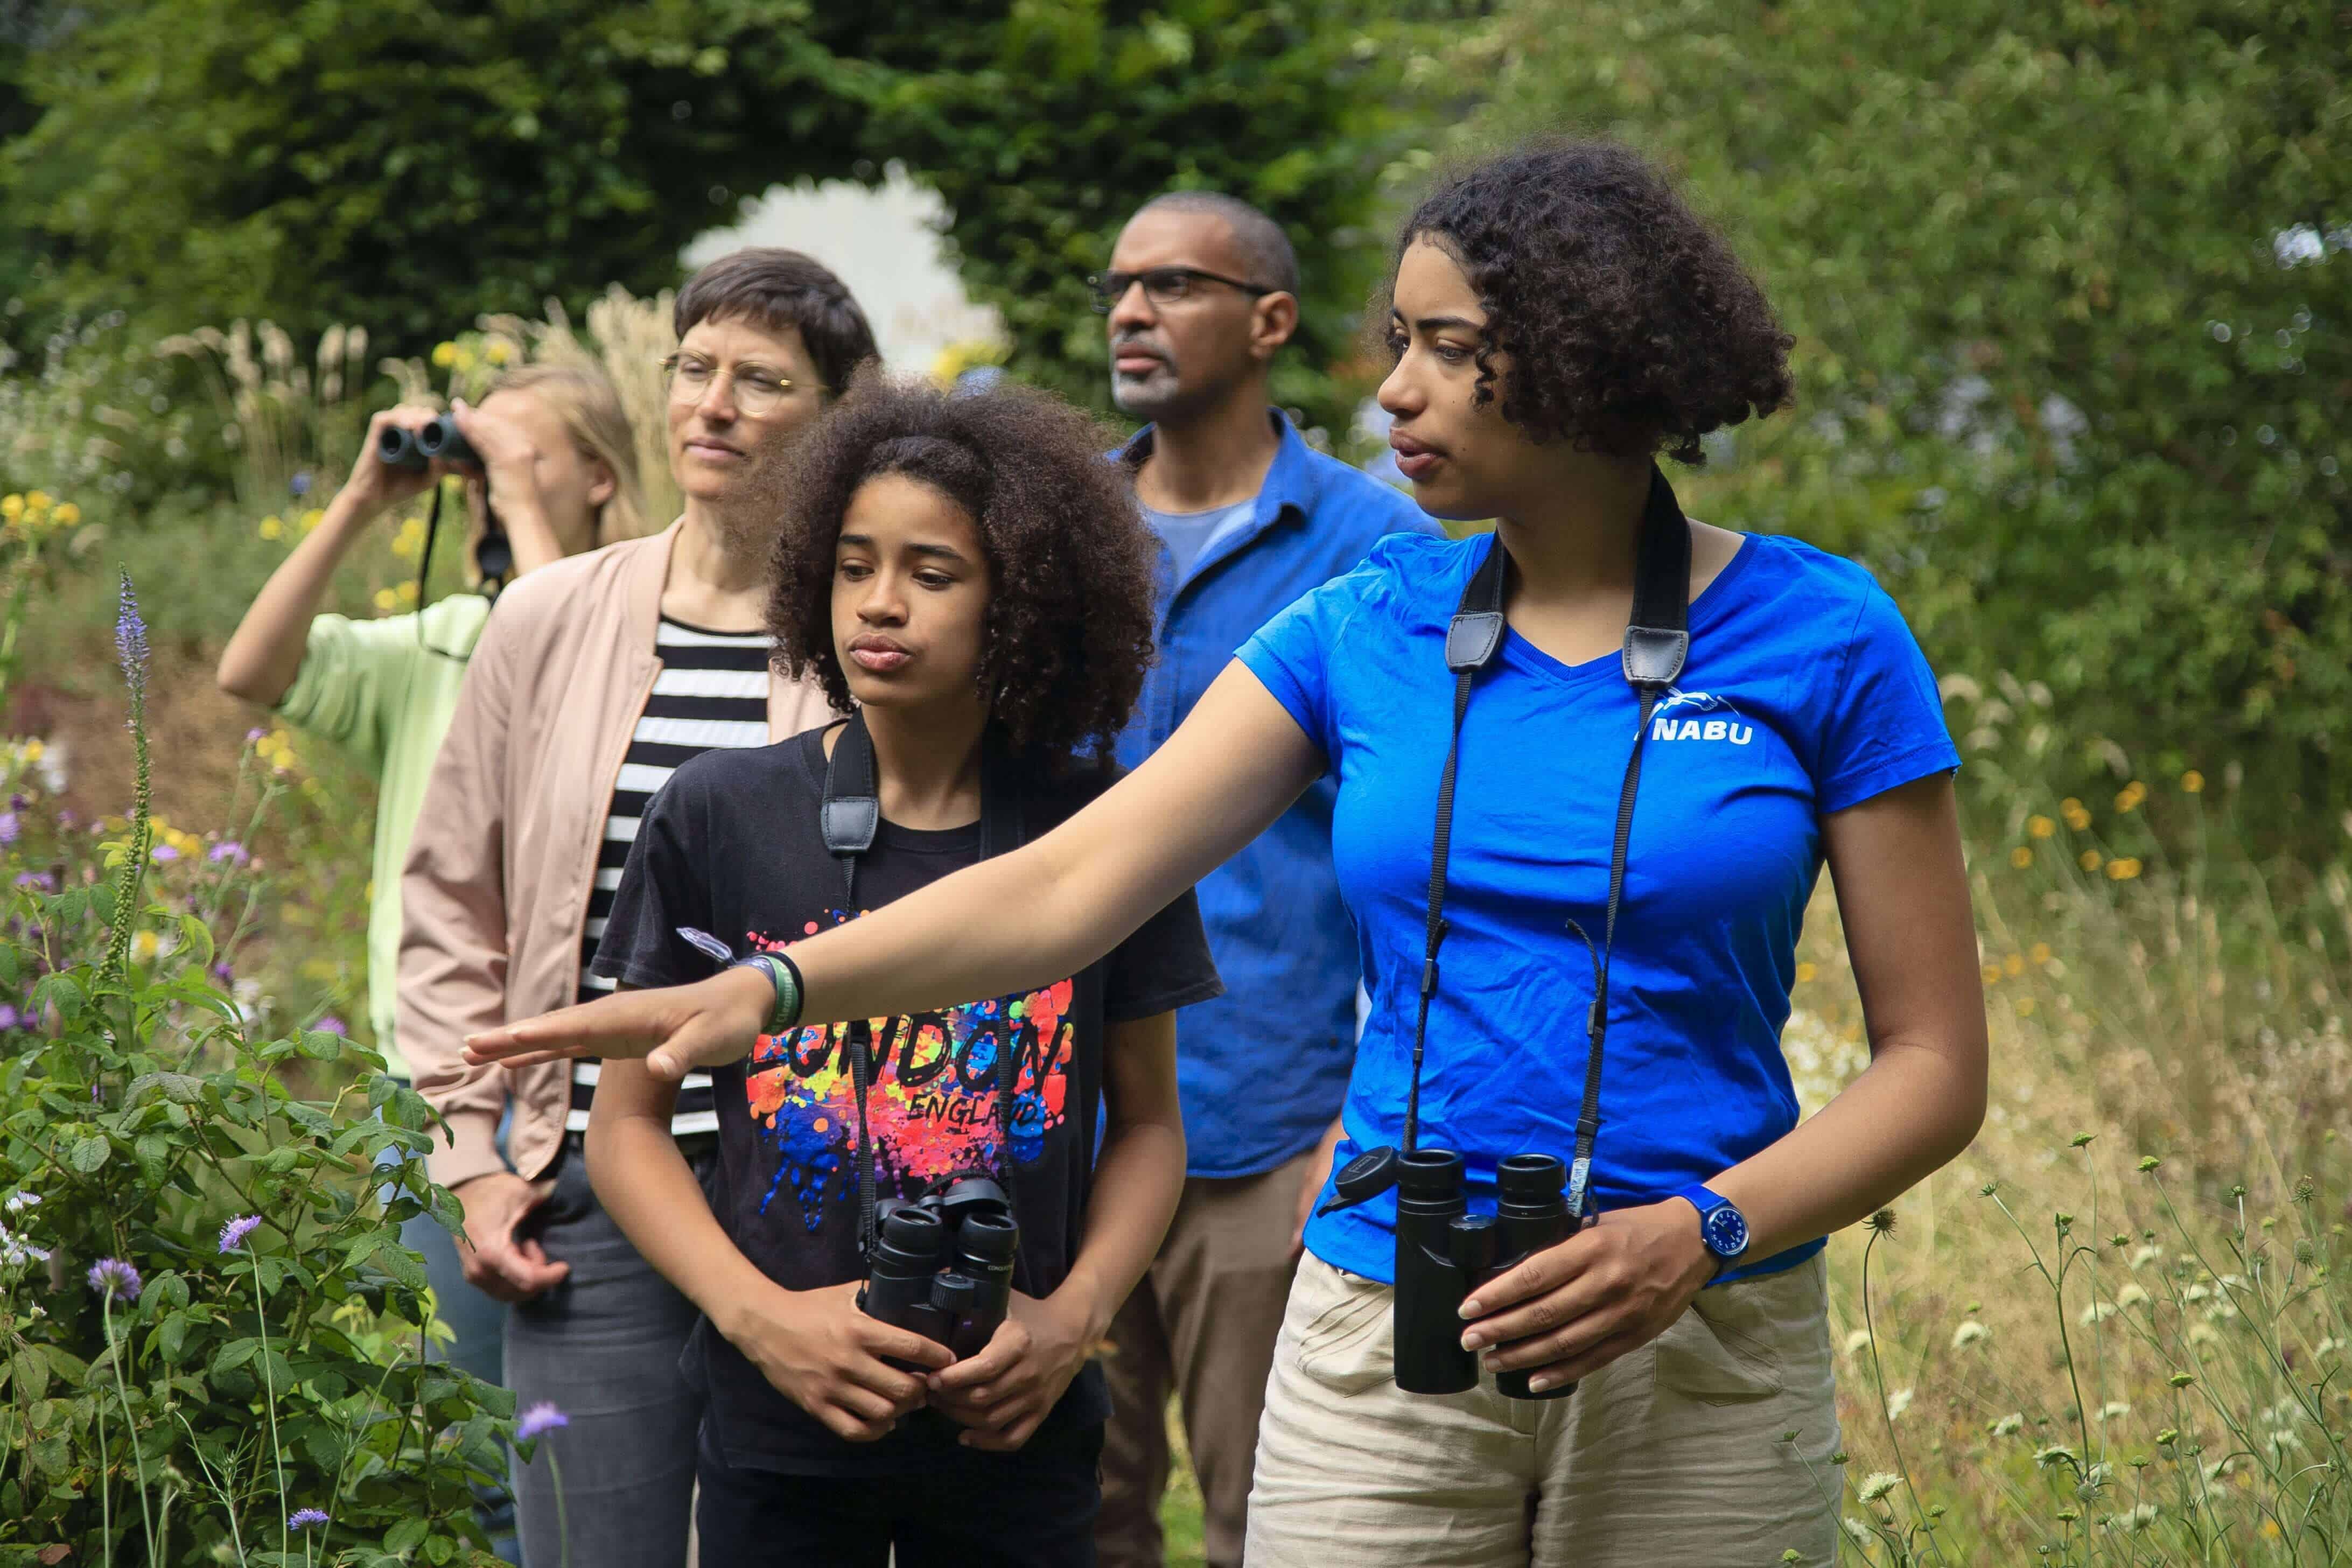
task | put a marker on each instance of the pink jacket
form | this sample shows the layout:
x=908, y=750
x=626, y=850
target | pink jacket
x=495, y=893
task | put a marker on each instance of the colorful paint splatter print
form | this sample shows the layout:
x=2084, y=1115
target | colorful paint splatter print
x=933, y=1107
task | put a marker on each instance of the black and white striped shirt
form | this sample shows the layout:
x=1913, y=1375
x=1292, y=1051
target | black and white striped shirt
x=712, y=693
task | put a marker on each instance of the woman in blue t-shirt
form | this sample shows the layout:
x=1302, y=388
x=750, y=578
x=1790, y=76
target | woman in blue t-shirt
x=1558, y=318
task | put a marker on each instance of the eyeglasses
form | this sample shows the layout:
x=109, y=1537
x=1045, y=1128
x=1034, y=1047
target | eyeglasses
x=1162, y=286
x=757, y=391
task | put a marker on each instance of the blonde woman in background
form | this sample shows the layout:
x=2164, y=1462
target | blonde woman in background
x=559, y=468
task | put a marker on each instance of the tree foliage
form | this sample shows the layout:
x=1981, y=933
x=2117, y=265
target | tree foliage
x=410, y=166
x=2071, y=290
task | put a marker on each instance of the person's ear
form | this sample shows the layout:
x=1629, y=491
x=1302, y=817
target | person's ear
x=1273, y=322
x=603, y=487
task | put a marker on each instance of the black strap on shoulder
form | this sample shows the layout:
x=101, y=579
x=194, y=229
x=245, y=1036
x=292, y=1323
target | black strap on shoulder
x=849, y=818
x=1657, y=642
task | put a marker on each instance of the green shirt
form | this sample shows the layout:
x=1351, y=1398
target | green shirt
x=377, y=690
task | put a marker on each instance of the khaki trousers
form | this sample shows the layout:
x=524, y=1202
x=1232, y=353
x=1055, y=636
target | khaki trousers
x=1673, y=1457
x=1204, y=1319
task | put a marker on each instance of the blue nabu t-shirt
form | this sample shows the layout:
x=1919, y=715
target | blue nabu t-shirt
x=1804, y=694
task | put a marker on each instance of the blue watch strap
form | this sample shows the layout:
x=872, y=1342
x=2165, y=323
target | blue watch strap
x=1721, y=1227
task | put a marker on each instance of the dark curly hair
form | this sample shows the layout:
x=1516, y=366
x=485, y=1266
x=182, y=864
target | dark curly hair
x=1071, y=565
x=1631, y=326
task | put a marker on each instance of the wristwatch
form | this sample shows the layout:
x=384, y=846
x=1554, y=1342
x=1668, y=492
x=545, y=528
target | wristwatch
x=1721, y=1226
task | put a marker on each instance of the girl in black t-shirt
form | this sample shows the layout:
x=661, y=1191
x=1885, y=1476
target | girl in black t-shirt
x=974, y=578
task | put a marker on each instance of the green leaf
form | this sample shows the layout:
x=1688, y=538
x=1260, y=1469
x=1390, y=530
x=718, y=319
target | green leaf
x=407, y=1535
x=89, y=1153
x=171, y=1337
x=235, y=1354
x=31, y=1370
x=403, y=1265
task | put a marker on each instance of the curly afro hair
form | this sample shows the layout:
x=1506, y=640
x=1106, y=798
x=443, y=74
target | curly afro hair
x=1629, y=325
x=1071, y=565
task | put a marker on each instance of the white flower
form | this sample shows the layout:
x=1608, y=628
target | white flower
x=1969, y=1333
x=2131, y=1296
x=2145, y=1255
x=19, y=1203
x=2202, y=1334
x=2326, y=1347
x=1878, y=1486
x=2009, y=1425
x=2112, y=1409
x=1857, y=1341
x=1897, y=1403
x=1858, y=1531
x=2197, y=1293
x=2097, y=1312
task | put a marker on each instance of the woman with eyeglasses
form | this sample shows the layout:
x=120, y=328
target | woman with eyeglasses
x=1559, y=319
x=595, y=680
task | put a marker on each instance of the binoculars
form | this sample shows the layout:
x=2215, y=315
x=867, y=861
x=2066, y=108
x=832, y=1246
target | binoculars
x=401, y=448
x=942, y=1266
x=1444, y=1253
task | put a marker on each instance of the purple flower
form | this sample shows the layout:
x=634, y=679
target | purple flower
x=130, y=642
x=233, y=1233
x=112, y=1276
x=331, y=1024
x=300, y=485
x=165, y=853
x=9, y=1017
x=65, y=819
x=253, y=735
x=223, y=973
x=227, y=849
x=308, y=1517
x=540, y=1418
x=18, y=801
x=9, y=827
x=40, y=879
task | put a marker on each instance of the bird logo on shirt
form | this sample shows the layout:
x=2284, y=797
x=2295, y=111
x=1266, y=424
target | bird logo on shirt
x=1676, y=719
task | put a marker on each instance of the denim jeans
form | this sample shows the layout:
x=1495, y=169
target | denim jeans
x=603, y=1347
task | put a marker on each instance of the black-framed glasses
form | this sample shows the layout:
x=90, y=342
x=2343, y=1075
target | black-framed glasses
x=1162, y=286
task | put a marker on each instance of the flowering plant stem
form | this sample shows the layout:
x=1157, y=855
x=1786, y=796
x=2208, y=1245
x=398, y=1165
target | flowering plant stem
x=270, y=1387
x=1878, y=1374
x=562, y=1519
x=138, y=1456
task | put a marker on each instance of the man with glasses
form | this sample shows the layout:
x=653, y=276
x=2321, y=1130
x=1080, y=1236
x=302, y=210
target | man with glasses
x=1201, y=295
x=593, y=681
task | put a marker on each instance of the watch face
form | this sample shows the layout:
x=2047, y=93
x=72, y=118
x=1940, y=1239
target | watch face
x=1727, y=1232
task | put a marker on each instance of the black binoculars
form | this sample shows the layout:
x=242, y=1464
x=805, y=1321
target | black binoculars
x=1444, y=1253
x=401, y=448
x=942, y=1265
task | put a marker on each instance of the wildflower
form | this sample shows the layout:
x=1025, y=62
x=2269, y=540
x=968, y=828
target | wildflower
x=233, y=1233
x=2193, y=781
x=312, y=519
x=2040, y=953
x=1882, y=1222
x=2304, y=1189
x=37, y=501
x=253, y=737
x=2078, y=815
x=2008, y=1425
x=1805, y=972
x=2096, y=1313
x=164, y=854
x=271, y=528
x=2131, y=1296
x=1858, y=1531
x=300, y=483
x=2021, y=856
x=130, y=642
x=331, y=1024
x=10, y=828
x=19, y=1203
x=9, y=1017
x=444, y=355
x=2122, y=869
x=12, y=507
x=228, y=850
x=145, y=945
x=40, y=879
x=2055, y=1454
x=1878, y=1486
x=2040, y=827
x=1857, y=1341
x=540, y=1418
x=498, y=350
x=308, y=1517
x=2114, y=1409
x=112, y=1276
x=2168, y=1438
x=67, y=514
x=2088, y=859
x=1897, y=1403
x=1969, y=1333
x=1991, y=974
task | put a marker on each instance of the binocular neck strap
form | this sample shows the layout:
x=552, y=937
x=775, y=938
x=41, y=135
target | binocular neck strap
x=848, y=820
x=1657, y=642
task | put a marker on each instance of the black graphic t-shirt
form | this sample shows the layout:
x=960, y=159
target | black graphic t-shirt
x=730, y=855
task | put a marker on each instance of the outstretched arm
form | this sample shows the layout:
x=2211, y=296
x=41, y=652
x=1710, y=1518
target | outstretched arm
x=1046, y=910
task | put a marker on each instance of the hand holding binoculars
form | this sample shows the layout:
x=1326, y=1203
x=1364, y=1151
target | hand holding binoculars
x=942, y=1266
x=1444, y=1253
x=439, y=440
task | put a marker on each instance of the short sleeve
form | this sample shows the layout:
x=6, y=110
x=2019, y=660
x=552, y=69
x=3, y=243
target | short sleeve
x=1163, y=966
x=1885, y=726
x=350, y=672
x=1291, y=654
x=664, y=895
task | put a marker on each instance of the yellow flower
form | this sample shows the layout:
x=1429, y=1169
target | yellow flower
x=37, y=501
x=2193, y=781
x=2012, y=964
x=2040, y=952
x=1991, y=974
x=2040, y=827
x=12, y=507
x=465, y=357
x=312, y=519
x=142, y=947
x=2021, y=856
x=2088, y=859
x=498, y=352
x=2025, y=1007
x=386, y=601
x=444, y=355
x=67, y=515
x=409, y=542
x=272, y=528
x=2078, y=815
x=1805, y=972
x=2128, y=797
x=2122, y=869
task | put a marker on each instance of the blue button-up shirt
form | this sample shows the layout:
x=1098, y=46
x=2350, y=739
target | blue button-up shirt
x=1262, y=1069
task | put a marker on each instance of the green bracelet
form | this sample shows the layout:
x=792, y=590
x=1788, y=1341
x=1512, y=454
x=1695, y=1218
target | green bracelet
x=785, y=976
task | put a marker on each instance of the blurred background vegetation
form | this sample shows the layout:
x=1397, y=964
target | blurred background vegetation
x=2071, y=290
